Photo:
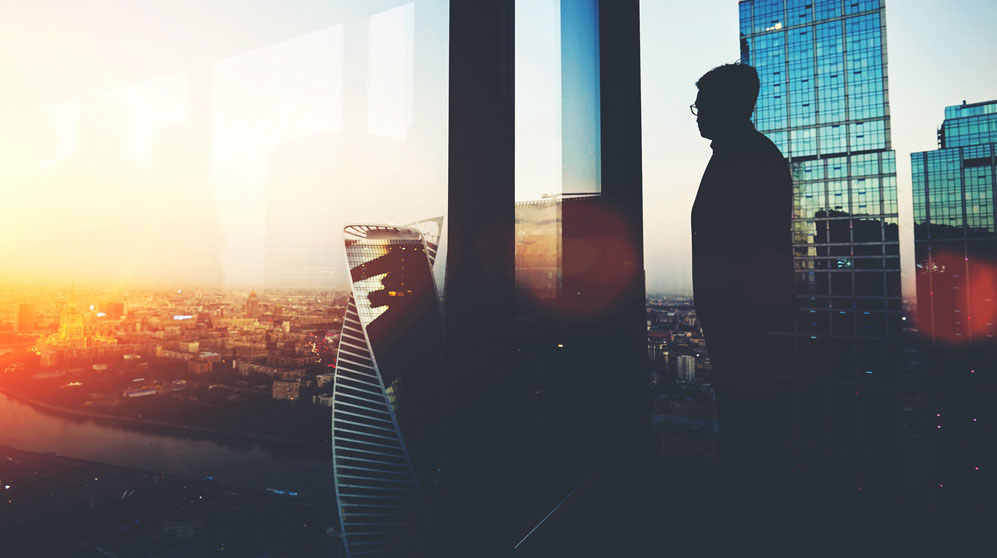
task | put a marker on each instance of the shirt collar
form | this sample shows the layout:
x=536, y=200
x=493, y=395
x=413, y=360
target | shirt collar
x=734, y=137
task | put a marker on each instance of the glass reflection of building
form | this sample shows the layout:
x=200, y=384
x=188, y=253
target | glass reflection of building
x=823, y=101
x=538, y=249
x=300, y=249
x=956, y=258
x=387, y=390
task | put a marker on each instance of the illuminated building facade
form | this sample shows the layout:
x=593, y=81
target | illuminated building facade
x=956, y=257
x=387, y=390
x=824, y=103
x=78, y=329
x=538, y=249
x=71, y=328
x=549, y=262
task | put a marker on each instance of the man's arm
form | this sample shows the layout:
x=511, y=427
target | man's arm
x=767, y=271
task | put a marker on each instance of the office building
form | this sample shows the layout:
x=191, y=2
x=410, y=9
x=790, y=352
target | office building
x=387, y=391
x=956, y=258
x=281, y=390
x=72, y=330
x=24, y=320
x=956, y=248
x=686, y=367
x=824, y=103
x=253, y=305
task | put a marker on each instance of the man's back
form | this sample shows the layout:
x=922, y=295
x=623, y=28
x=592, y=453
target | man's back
x=742, y=246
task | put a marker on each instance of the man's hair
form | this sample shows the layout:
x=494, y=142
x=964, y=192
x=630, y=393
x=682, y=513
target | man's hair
x=736, y=84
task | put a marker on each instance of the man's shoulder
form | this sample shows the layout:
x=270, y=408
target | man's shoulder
x=766, y=147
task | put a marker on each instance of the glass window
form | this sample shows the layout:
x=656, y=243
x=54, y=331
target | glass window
x=826, y=9
x=803, y=143
x=768, y=16
x=799, y=12
x=858, y=6
x=864, y=66
x=833, y=139
x=187, y=174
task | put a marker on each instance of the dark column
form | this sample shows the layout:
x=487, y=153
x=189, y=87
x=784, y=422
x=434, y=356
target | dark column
x=622, y=192
x=480, y=275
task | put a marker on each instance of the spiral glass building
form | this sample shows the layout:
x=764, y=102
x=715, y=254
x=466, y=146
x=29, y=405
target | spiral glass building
x=387, y=390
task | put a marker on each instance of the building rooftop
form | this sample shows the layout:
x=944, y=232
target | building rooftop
x=972, y=109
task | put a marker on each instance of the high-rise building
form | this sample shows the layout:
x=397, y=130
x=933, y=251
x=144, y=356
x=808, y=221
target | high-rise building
x=956, y=248
x=25, y=318
x=686, y=367
x=956, y=258
x=71, y=327
x=387, y=391
x=253, y=305
x=824, y=102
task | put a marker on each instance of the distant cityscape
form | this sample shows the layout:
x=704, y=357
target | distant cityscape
x=175, y=357
x=684, y=413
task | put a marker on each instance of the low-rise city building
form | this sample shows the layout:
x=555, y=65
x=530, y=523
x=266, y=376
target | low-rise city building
x=287, y=390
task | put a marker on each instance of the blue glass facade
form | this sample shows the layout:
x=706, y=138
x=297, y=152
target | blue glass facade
x=824, y=102
x=954, y=211
x=956, y=257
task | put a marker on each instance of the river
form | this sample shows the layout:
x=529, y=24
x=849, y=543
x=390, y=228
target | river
x=247, y=466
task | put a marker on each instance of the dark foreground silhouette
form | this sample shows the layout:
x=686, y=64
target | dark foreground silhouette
x=743, y=280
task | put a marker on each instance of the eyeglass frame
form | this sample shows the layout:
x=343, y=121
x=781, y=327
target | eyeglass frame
x=694, y=109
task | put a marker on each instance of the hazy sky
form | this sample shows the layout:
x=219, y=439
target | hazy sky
x=150, y=138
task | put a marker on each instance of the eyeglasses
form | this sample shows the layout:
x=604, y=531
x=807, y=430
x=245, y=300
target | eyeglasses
x=694, y=109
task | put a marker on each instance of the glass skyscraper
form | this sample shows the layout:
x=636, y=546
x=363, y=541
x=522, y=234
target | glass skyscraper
x=954, y=225
x=824, y=103
x=956, y=257
x=387, y=391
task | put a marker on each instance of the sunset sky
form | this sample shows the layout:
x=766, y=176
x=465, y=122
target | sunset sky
x=145, y=143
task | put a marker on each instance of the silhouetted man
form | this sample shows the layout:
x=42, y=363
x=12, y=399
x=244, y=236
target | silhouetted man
x=742, y=275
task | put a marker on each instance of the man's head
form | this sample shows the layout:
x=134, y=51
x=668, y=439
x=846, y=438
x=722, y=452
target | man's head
x=726, y=98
